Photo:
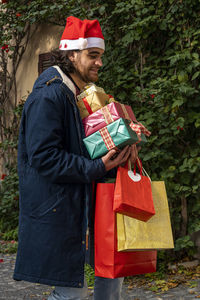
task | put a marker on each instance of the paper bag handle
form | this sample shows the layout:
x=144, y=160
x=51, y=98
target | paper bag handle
x=139, y=164
x=143, y=172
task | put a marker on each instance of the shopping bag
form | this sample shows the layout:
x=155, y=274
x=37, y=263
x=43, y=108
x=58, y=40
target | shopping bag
x=133, y=194
x=109, y=262
x=156, y=233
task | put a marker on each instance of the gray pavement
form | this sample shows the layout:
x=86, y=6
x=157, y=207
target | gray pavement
x=19, y=290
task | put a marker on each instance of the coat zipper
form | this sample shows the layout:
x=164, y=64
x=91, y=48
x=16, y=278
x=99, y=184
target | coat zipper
x=80, y=144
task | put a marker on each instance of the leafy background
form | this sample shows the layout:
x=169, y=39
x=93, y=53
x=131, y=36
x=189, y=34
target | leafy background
x=151, y=63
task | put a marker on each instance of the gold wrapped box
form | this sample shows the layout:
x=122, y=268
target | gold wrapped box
x=90, y=89
x=156, y=233
x=92, y=99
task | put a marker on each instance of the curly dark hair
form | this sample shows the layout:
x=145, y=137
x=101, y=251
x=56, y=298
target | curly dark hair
x=61, y=59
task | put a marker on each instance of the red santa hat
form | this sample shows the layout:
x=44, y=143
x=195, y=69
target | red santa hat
x=79, y=35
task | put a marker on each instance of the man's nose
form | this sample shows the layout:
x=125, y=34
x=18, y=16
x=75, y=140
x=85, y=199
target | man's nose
x=99, y=62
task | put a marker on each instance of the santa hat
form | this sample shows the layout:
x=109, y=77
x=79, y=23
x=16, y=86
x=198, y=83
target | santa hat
x=79, y=35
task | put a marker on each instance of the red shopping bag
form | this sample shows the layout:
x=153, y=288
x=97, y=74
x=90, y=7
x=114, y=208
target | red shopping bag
x=109, y=262
x=133, y=195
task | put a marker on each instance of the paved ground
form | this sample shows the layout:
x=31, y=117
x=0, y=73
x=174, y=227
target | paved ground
x=12, y=290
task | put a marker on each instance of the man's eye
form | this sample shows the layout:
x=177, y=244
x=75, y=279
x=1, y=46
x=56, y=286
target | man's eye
x=93, y=56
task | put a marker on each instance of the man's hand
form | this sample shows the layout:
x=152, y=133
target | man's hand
x=134, y=153
x=129, y=152
x=121, y=158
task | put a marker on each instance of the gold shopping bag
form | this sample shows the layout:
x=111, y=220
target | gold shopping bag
x=156, y=233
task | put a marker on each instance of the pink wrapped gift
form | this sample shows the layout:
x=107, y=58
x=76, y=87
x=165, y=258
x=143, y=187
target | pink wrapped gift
x=107, y=115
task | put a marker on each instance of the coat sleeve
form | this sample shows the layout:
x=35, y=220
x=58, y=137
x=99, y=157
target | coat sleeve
x=44, y=136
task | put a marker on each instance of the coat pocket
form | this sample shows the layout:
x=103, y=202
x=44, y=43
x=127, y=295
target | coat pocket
x=51, y=210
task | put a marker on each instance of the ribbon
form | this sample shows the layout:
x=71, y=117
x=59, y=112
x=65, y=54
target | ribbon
x=111, y=98
x=107, y=138
x=144, y=130
x=87, y=106
x=107, y=115
x=139, y=129
x=126, y=115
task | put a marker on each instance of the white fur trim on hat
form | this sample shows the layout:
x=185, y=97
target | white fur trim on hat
x=82, y=43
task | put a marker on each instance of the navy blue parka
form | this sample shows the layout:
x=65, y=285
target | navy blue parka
x=55, y=176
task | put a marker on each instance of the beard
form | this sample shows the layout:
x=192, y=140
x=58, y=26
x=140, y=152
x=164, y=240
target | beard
x=84, y=76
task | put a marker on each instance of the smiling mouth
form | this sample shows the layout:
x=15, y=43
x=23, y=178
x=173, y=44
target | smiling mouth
x=94, y=70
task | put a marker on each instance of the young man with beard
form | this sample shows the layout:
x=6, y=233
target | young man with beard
x=56, y=173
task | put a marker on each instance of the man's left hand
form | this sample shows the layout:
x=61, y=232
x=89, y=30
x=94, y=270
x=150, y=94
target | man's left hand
x=134, y=153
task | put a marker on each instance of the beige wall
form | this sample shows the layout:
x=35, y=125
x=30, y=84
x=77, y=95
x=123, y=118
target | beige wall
x=45, y=39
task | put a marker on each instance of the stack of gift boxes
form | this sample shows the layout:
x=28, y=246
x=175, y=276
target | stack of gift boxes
x=108, y=124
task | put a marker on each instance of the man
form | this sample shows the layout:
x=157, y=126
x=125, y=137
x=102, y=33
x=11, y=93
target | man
x=56, y=173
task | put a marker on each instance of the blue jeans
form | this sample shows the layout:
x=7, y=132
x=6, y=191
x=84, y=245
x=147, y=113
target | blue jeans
x=104, y=289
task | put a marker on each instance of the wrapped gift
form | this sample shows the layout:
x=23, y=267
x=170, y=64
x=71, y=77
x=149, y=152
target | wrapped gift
x=89, y=89
x=92, y=99
x=107, y=115
x=116, y=135
x=156, y=233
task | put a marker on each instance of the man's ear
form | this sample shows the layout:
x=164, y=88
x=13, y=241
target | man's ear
x=72, y=56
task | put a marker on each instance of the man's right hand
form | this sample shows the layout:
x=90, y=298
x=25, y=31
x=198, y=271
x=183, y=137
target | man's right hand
x=120, y=159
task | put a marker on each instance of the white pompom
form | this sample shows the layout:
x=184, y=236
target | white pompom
x=82, y=43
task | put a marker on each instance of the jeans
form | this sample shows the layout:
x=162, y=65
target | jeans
x=104, y=289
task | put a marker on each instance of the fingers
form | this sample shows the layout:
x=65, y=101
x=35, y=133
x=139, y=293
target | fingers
x=113, y=159
x=122, y=157
x=124, y=154
x=134, y=153
x=125, y=157
x=110, y=154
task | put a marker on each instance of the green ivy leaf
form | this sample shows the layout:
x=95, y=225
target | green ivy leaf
x=177, y=103
x=196, y=74
x=102, y=10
